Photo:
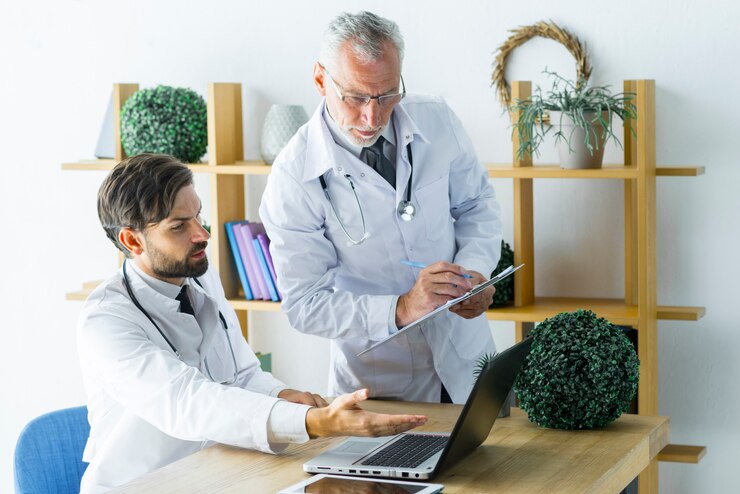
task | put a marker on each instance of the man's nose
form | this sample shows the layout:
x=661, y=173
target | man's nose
x=371, y=113
x=201, y=234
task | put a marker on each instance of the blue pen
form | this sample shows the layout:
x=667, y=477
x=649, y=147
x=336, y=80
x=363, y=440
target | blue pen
x=420, y=265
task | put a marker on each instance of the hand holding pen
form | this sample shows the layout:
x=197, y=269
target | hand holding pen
x=436, y=284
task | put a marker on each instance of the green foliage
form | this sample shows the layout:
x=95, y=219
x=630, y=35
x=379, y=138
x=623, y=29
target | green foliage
x=581, y=373
x=505, y=288
x=165, y=120
x=482, y=361
x=584, y=106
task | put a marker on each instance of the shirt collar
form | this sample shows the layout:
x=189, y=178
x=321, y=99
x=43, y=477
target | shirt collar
x=324, y=153
x=169, y=290
x=341, y=138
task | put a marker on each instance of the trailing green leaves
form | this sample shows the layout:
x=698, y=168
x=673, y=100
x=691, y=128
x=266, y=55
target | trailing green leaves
x=590, y=108
x=581, y=373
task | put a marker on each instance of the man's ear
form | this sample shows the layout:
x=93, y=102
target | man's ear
x=131, y=239
x=319, y=78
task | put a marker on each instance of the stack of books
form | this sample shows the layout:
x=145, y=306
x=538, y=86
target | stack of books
x=251, y=249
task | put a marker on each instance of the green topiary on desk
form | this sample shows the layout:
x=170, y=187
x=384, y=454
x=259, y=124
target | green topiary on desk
x=168, y=120
x=581, y=373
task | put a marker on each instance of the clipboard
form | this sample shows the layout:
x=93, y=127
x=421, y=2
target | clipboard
x=476, y=289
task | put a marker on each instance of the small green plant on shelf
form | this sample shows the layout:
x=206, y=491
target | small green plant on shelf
x=505, y=288
x=165, y=120
x=575, y=111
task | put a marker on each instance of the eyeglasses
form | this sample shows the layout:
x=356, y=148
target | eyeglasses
x=358, y=101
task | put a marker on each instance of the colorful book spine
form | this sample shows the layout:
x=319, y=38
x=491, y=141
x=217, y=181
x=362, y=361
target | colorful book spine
x=238, y=260
x=265, y=243
x=265, y=270
x=251, y=264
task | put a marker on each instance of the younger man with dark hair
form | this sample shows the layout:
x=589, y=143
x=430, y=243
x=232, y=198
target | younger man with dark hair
x=165, y=365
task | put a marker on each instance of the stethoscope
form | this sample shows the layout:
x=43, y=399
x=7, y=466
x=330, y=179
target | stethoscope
x=220, y=315
x=405, y=210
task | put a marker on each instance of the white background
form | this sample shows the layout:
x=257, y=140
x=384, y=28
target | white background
x=58, y=61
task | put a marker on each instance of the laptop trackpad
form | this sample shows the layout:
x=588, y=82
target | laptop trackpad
x=359, y=447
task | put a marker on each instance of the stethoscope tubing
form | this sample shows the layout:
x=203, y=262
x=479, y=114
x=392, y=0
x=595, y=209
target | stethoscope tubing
x=166, y=339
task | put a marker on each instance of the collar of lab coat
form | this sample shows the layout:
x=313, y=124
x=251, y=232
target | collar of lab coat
x=153, y=295
x=324, y=154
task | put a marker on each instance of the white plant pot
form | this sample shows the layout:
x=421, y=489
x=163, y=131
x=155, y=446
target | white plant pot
x=281, y=123
x=577, y=155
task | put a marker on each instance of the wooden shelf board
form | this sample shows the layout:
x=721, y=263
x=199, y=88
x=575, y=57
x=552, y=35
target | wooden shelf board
x=682, y=453
x=615, y=310
x=609, y=171
x=239, y=168
x=260, y=305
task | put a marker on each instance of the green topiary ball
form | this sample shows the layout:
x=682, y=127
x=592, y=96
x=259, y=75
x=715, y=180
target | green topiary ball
x=505, y=288
x=582, y=372
x=167, y=120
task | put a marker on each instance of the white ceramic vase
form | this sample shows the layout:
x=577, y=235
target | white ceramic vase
x=281, y=123
x=577, y=155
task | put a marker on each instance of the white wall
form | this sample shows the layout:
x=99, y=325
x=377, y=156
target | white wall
x=59, y=59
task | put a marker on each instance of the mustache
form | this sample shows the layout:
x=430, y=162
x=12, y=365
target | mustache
x=198, y=247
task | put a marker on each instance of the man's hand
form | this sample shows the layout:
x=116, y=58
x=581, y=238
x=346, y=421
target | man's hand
x=437, y=284
x=345, y=418
x=303, y=397
x=478, y=303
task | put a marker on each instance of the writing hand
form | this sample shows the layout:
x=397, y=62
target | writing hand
x=478, y=303
x=437, y=284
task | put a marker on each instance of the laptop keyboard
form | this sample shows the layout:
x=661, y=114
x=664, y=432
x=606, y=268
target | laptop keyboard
x=408, y=452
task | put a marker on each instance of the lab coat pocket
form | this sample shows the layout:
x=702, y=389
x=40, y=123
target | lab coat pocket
x=434, y=207
x=392, y=371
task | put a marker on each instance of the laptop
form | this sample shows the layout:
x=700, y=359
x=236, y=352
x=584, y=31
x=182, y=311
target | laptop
x=422, y=455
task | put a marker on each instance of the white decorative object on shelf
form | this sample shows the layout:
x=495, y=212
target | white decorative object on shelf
x=281, y=123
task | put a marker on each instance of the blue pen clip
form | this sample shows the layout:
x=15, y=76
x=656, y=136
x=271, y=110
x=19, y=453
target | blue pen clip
x=421, y=265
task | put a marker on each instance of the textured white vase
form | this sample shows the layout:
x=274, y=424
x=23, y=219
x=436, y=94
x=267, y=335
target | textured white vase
x=281, y=123
x=577, y=155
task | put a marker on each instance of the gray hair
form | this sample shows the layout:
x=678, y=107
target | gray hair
x=367, y=34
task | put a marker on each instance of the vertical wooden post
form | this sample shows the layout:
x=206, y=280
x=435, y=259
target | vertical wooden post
x=225, y=147
x=630, y=208
x=523, y=221
x=647, y=335
x=121, y=92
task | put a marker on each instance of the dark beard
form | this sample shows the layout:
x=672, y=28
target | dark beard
x=179, y=268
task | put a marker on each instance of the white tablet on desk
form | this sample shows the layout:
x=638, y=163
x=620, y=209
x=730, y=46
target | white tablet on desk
x=476, y=289
x=331, y=484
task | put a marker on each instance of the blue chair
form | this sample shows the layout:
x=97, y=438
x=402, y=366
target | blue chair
x=48, y=455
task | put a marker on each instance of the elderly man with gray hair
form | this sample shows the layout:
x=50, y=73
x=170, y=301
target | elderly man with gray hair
x=379, y=211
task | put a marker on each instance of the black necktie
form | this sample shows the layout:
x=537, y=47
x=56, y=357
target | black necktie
x=375, y=158
x=185, y=306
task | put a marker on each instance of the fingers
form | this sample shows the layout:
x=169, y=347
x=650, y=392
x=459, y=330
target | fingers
x=350, y=400
x=388, y=425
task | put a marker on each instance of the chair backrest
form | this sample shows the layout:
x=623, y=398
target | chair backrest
x=48, y=455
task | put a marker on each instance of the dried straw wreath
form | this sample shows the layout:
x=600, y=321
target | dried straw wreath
x=523, y=34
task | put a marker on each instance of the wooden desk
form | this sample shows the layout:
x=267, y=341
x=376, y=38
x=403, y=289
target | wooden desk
x=517, y=457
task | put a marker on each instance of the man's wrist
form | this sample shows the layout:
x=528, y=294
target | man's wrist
x=313, y=423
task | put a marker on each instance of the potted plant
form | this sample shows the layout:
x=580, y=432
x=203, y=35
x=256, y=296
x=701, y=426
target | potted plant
x=580, y=116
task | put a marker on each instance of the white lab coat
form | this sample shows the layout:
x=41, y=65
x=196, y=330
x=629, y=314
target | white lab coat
x=348, y=293
x=147, y=408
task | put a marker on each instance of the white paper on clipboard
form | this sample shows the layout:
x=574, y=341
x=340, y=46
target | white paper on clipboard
x=476, y=289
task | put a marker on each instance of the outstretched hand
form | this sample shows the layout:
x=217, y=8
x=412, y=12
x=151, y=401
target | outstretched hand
x=344, y=417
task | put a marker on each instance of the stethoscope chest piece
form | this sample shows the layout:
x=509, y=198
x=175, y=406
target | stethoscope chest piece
x=406, y=210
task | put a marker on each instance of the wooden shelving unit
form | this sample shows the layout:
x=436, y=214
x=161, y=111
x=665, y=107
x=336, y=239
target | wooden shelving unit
x=639, y=309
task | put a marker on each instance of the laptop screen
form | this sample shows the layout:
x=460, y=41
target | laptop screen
x=484, y=403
